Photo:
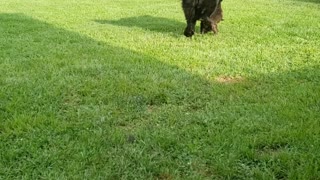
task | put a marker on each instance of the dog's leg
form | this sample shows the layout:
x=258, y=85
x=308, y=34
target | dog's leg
x=189, y=12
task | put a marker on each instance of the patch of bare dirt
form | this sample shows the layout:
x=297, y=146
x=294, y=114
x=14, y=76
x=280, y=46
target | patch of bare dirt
x=229, y=79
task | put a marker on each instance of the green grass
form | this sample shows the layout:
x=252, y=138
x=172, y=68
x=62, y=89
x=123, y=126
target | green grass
x=102, y=89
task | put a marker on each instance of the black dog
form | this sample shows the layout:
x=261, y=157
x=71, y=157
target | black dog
x=212, y=25
x=206, y=11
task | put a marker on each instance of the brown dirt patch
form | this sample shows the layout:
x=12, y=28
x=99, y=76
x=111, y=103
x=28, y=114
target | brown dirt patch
x=229, y=79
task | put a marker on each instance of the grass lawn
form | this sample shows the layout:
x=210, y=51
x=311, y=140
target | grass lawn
x=111, y=89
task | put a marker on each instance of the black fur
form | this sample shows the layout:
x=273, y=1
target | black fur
x=199, y=10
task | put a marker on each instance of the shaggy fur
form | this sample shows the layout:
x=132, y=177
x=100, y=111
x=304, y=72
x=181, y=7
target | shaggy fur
x=205, y=10
x=212, y=25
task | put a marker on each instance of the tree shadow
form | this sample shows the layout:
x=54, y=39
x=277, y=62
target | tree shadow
x=150, y=23
x=67, y=102
x=311, y=1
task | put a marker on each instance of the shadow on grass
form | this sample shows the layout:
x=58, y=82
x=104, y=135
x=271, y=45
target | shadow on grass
x=312, y=1
x=147, y=22
x=68, y=102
